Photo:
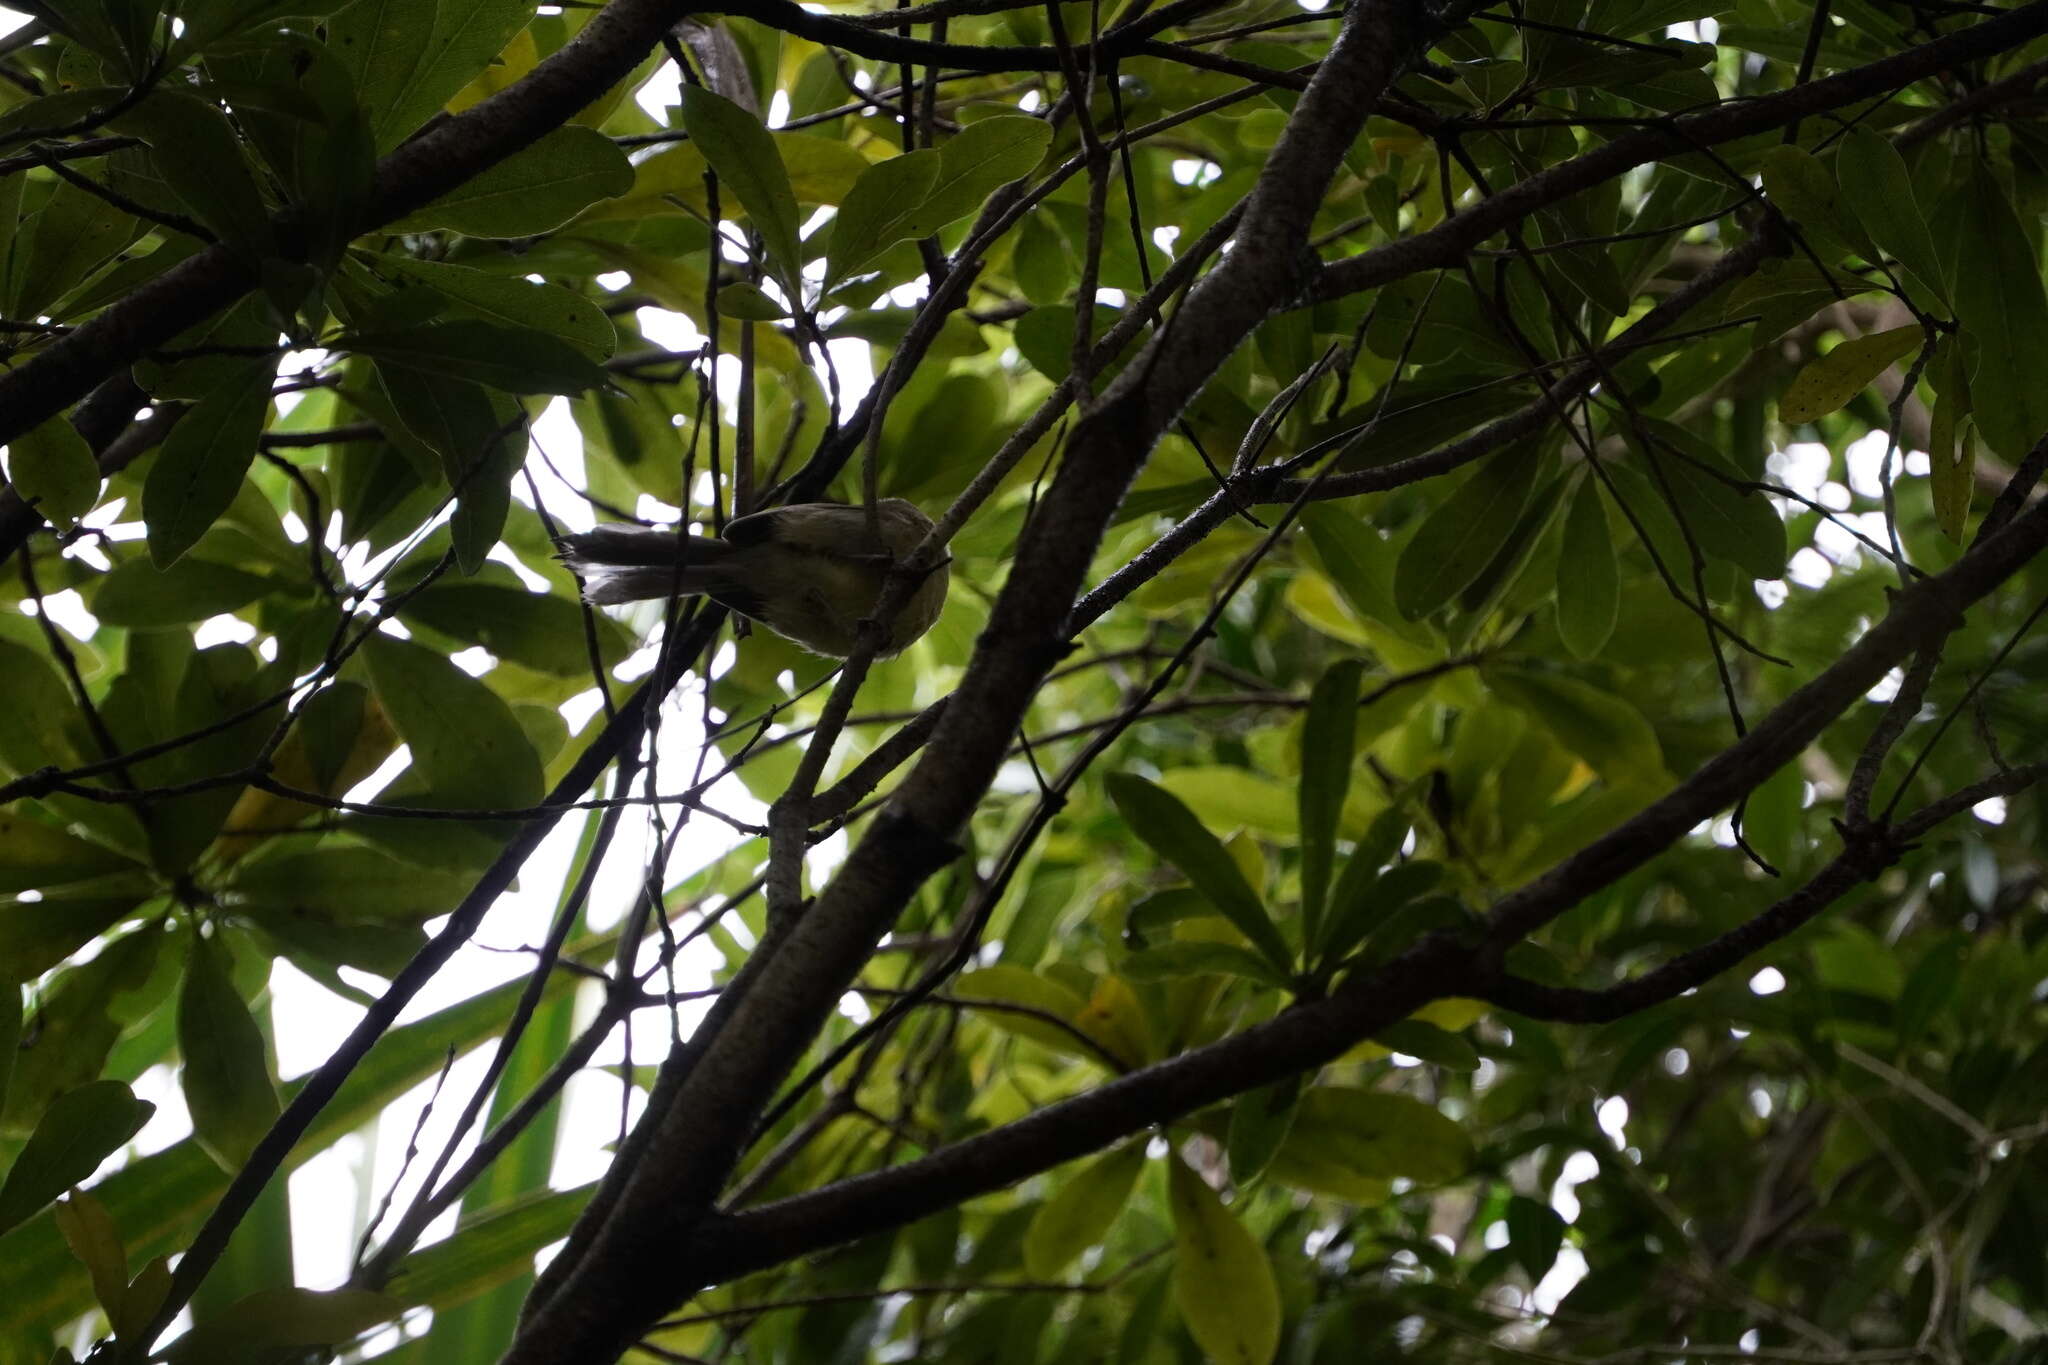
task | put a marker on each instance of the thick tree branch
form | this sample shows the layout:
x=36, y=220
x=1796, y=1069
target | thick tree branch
x=1311, y=1034
x=596, y=1305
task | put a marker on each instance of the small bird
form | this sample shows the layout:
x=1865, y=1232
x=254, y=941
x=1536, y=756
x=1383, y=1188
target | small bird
x=811, y=572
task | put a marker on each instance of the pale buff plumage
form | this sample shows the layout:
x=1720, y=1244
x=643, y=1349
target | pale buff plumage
x=810, y=572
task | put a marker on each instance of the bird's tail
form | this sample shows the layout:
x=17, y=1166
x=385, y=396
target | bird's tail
x=639, y=563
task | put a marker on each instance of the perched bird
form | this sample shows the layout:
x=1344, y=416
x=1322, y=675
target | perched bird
x=810, y=572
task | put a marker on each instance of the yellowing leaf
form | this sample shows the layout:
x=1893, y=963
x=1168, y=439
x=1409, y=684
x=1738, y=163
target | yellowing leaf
x=1833, y=379
x=1083, y=1211
x=1115, y=1018
x=1222, y=1279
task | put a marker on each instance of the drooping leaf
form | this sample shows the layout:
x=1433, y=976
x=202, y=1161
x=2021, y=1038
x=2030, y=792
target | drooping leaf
x=226, y=1076
x=1589, y=586
x=1878, y=188
x=1259, y=1123
x=1605, y=730
x=90, y=1233
x=1222, y=1279
x=199, y=469
x=1535, y=1234
x=1082, y=1211
x=464, y=739
x=1951, y=441
x=1327, y=738
x=1998, y=298
x=1463, y=533
x=1727, y=520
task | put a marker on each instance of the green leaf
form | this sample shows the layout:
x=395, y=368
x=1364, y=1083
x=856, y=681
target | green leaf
x=1804, y=191
x=36, y=856
x=1259, y=1123
x=410, y=59
x=544, y=633
x=746, y=301
x=476, y=434
x=1367, y=896
x=90, y=1233
x=1999, y=301
x=1222, y=1280
x=1951, y=441
x=534, y=191
x=274, y=1318
x=750, y=168
x=1193, y=957
x=206, y=21
x=1606, y=731
x=346, y=882
x=979, y=160
x=199, y=470
x=880, y=211
x=72, y=235
x=1828, y=382
x=502, y=1245
x=512, y=359
x=1463, y=533
x=1361, y=563
x=1082, y=1211
x=226, y=1077
x=201, y=159
x=10, y=1037
x=79, y=1130
x=465, y=740
x=1234, y=798
x=139, y=595
x=821, y=170
x=510, y=302
x=36, y=936
x=1379, y=1135
x=1728, y=521
x=1327, y=737
x=1171, y=830
x=1589, y=588
x=53, y=470
x=1004, y=984
x=1535, y=1234
x=1878, y=189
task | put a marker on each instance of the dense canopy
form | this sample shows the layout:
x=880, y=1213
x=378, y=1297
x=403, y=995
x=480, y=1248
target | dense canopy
x=1474, y=797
